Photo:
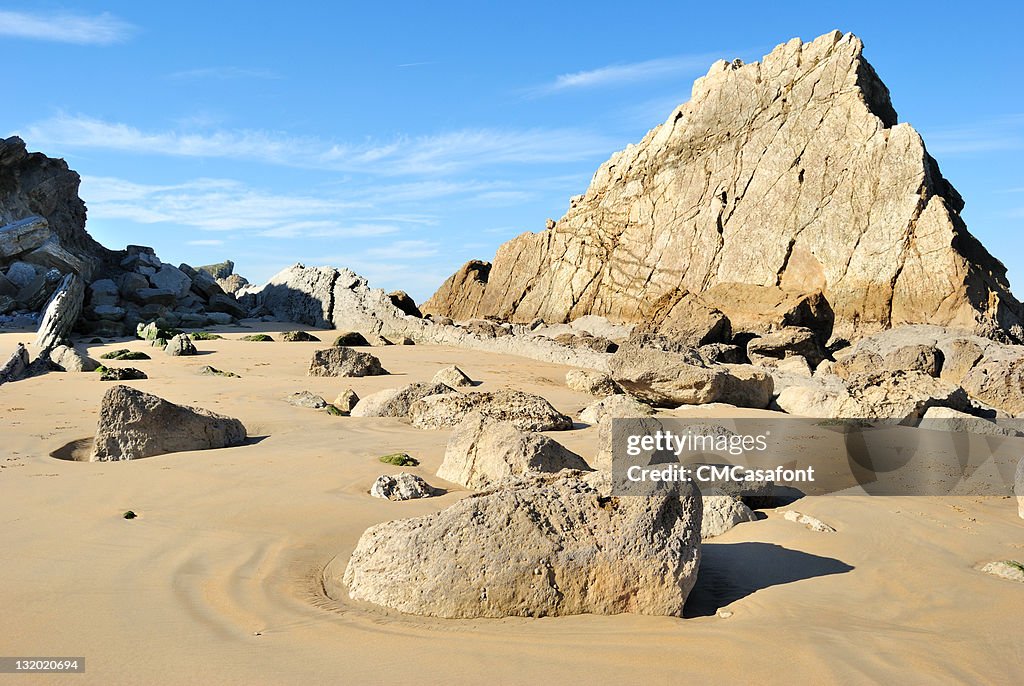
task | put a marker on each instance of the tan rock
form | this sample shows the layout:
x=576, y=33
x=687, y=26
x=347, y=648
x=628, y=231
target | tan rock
x=526, y=411
x=784, y=174
x=592, y=382
x=542, y=545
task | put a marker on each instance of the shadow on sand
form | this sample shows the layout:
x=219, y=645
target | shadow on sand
x=731, y=571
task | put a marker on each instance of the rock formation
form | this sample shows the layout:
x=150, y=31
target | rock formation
x=765, y=198
x=134, y=424
x=395, y=402
x=344, y=362
x=401, y=486
x=525, y=411
x=546, y=545
x=482, y=452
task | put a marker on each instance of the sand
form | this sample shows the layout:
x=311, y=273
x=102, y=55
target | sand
x=220, y=578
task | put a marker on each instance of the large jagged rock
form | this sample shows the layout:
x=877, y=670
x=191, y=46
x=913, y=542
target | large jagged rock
x=482, y=451
x=526, y=411
x=22, y=236
x=787, y=174
x=61, y=312
x=544, y=545
x=134, y=424
x=17, y=365
x=344, y=362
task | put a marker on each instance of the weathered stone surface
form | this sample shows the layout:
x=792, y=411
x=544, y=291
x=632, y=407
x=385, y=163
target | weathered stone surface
x=525, y=411
x=999, y=383
x=1011, y=570
x=103, y=292
x=350, y=339
x=721, y=513
x=959, y=357
x=202, y=284
x=71, y=360
x=298, y=337
x=155, y=296
x=812, y=523
x=122, y=374
x=180, y=345
x=915, y=358
x=346, y=401
x=401, y=486
x=344, y=362
x=221, y=270
x=134, y=424
x=485, y=328
x=405, y=303
x=233, y=284
x=22, y=274
x=16, y=366
x=61, y=312
x=481, y=452
x=52, y=255
x=307, y=399
x=172, y=279
x=771, y=348
x=459, y=297
x=22, y=236
x=788, y=173
x=221, y=302
x=395, y=402
x=614, y=406
x=947, y=419
x=684, y=317
x=452, y=376
x=109, y=313
x=535, y=546
x=585, y=341
x=668, y=379
x=38, y=291
x=592, y=382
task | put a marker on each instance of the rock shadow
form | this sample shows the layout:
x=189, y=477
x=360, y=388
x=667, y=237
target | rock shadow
x=731, y=571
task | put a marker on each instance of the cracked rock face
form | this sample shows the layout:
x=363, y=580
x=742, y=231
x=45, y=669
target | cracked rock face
x=544, y=545
x=784, y=175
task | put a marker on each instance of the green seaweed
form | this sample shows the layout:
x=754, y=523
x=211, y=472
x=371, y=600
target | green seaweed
x=258, y=338
x=399, y=460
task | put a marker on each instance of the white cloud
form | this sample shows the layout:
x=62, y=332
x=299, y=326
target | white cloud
x=101, y=29
x=997, y=135
x=433, y=154
x=618, y=74
x=224, y=74
x=405, y=250
x=205, y=241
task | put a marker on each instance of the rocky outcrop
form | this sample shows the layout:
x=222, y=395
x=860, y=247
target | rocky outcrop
x=71, y=360
x=721, y=513
x=482, y=452
x=452, y=376
x=525, y=411
x=592, y=382
x=344, y=362
x=536, y=546
x=614, y=406
x=134, y=424
x=777, y=181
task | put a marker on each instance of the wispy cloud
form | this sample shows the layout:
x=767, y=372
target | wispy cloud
x=63, y=27
x=996, y=135
x=431, y=154
x=405, y=250
x=414, y=64
x=223, y=74
x=619, y=74
x=206, y=241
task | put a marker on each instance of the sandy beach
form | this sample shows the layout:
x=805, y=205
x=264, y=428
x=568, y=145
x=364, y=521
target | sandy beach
x=221, y=578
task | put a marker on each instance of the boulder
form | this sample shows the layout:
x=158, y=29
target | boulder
x=544, y=545
x=915, y=358
x=71, y=360
x=395, y=402
x=348, y=339
x=527, y=412
x=221, y=302
x=17, y=365
x=954, y=421
x=298, y=337
x=790, y=175
x=22, y=274
x=857, y=363
x=405, y=303
x=134, y=424
x=61, y=312
x=180, y=345
x=38, y=291
x=172, y=279
x=793, y=341
x=103, y=292
x=999, y=383
x=452, y=376
x=900, y=396
x=1011, y=570
x=22, y=236
x=669, y=379
x=344, y=362
x=721, y=513
x=614, y=406
x=586, y=341
x=346, y=401
x=481, y=452
x=401, y=486
x=129, y=284
x=155, y=296
x=684, y=317
x=958, y=358
x=121, y=374
x=592, y=382
x=307, y=399
x=52, y=255
x=107, y=313
x=232, y=284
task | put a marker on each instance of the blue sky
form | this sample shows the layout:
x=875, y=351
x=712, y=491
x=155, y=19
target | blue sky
x=401, y=139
